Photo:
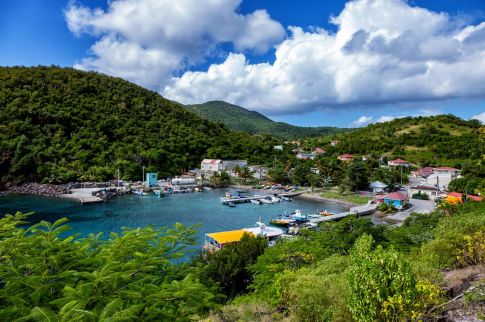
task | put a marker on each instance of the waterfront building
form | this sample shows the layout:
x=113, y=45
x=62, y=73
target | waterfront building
x=151, y=179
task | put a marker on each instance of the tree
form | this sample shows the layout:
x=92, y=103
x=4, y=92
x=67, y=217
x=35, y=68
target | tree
x=299, y=175
x=278, y=174
x=246, y=173
x=229, y=266
x=356, y=177
x=314, y=180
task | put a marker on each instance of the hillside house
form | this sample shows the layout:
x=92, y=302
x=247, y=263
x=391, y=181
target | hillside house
x=318, y=151
x=378, y=187
x=447, y=171
x=211, y=165
x=346, y=157
x=334, y=143
x=396, y=199
x=429, y=190
x=398, y=162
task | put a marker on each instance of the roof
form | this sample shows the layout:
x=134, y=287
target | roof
x=398, y=161
x=455, y=194
x=395, y=196
x=378, y=184
x=446, y=168
x=213, y=161
x=346, y=156
x=475, y=198
x=231, y=236
x=264, y=231
x=423, y=187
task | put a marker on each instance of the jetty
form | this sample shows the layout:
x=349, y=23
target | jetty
x=225, y=200
x=354, y=211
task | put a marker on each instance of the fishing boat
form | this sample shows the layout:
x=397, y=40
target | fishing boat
x=282, y=222
x=139, y=192
x=275, y=199
x=256, y=201
x=160, y=193
x=266, y=200
x=325, y=213
x=285, y=198
x=231, y=204
x=299, y=217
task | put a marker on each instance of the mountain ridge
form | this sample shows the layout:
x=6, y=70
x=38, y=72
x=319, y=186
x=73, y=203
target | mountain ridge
x=241, y=119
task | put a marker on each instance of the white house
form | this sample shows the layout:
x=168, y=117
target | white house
x=398, y=162
x=378, y=187
x=430, y=190
x=447, y=170
x=211, y=165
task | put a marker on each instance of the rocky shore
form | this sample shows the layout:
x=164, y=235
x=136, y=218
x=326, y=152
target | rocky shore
x=50, y=190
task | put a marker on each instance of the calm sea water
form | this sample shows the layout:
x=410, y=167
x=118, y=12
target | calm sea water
x=139, y=211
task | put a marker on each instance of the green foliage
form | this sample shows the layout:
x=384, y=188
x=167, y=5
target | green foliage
x=317, y=293
x=450, y=243
x=240, y=119
x=420, y=196
x=355, y=177
x=386, y=208
x=310, y=248
x=61, y=124
x=383, y=286
x=130, y=276
x=229, y=266
x=436, y=140
x=220, y=180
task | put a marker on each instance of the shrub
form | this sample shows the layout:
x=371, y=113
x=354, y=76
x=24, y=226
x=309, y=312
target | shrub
x=420, y=196
x=383, y=286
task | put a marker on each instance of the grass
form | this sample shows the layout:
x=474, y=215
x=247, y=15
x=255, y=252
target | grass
x=352, y=197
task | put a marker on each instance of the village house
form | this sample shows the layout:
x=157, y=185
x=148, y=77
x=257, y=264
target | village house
x=423, y=172
x=346, y=157
x=447, y=171
x=396, y=199
x=278, y=147
x=334, y=143
x=429, y=190
x=211, y=165
x=398, y=162
x=378, y=187
x=318, y=151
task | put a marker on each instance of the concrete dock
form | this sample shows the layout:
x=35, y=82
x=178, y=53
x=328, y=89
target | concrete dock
x=354, y=211
x=257, y=197
x=84, y=195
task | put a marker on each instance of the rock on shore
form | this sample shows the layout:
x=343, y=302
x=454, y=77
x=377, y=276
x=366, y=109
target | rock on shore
x=50, y=190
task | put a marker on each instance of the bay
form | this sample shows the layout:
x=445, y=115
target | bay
x=139, y=211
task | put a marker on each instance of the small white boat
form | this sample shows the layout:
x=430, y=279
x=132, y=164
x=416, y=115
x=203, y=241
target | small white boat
x=285, y=198
x=207, y=188
x=139, y=192
x=275, y=199
x=256, y=202
x=266, y=201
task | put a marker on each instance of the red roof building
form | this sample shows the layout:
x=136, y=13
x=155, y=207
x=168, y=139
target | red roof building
x=346, y=157
x=475, y=198
x=398, y=162
x=318, y=151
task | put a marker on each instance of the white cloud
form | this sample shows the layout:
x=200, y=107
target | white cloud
x=480, y=117
x=147, y=41
x=384, y=52
x=362, y=121
x=386, y=118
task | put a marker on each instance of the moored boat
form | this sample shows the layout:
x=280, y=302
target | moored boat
x=282, y=222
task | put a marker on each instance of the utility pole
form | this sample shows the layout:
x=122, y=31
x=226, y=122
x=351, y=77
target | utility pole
x=118, y=183
x=143, y=176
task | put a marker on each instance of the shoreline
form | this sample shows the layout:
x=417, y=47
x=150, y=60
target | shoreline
x=315, y=197
x=303, y=195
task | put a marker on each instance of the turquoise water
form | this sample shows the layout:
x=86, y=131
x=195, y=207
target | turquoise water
x=139, y=211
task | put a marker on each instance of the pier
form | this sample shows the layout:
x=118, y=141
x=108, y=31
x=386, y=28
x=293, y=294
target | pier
x=354, y=211
x=225, y=200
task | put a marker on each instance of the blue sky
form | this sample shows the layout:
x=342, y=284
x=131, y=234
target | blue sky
x=304, y=84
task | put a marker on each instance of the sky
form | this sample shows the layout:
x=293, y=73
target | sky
x=306, y=62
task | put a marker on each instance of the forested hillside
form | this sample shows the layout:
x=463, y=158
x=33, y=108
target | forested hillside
x=240, y=119
x=61, y=124
x=442, y=139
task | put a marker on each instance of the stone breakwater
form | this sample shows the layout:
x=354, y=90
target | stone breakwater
x=50, y=190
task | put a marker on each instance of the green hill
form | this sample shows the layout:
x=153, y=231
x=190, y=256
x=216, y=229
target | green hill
x=442, y=139
x=241, y=119
x=61, y=124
